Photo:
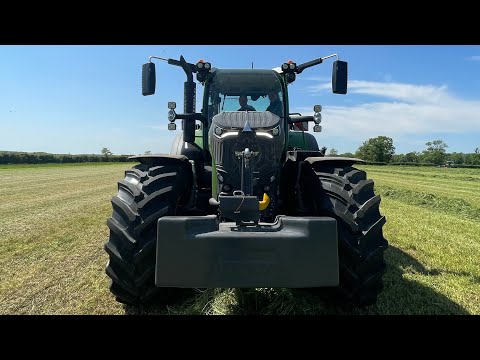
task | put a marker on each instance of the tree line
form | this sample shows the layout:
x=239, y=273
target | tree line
x=15, y=157
x=382, y=151
x=378, y=150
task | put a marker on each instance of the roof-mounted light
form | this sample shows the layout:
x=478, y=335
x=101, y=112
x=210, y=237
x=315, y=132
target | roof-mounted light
x=289, y=67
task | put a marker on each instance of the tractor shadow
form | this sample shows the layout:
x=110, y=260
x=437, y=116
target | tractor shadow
x=400, y=296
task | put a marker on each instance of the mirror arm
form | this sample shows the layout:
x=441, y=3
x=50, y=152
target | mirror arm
x=329, y=56
x=156, y=57
x=192, y=116
x=308, y=64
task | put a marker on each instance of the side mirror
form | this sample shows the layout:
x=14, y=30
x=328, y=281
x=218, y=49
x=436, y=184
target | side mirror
x=148, y=79
x=339, y=77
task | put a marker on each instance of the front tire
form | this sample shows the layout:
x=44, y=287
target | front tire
x=145, y=194
x=345, y=194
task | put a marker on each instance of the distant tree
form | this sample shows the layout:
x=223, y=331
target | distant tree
x=457, y=158
x=436, y=145
x=333, y=152
x=148, y=152
x=472, y=159
x=347, y=154
x=398, y=158
x=106, y=152
x=477, y=150
x=412, y=157
x=435, y=152
x=378, y=149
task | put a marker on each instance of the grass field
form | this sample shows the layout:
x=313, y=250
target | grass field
x=53, y=228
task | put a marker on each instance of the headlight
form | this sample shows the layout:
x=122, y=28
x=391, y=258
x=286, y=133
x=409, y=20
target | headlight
x=317, y=118
x=264, y=134
x=276, y=131
x=218, y=131
x=171, y=116
x=222, y=133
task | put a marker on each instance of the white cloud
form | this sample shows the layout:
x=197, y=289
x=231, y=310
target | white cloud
x=473, y=58
x=406, y=109
x=409, y=93
x=314, y=78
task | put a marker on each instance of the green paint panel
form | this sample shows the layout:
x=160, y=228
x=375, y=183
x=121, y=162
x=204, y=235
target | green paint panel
x=298, y=139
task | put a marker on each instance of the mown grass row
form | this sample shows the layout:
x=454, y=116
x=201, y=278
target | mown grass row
x=52, y=232
x=450, y=191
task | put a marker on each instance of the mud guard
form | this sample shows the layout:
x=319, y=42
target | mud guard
x=159, y=159
x=344, y=161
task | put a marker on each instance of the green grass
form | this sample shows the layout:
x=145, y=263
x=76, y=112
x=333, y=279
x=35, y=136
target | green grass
x=53, y=228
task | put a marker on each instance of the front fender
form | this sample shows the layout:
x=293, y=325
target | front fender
x=159, y=159
x=333, y=160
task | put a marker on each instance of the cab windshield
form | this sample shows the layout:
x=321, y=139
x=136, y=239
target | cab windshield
x=239, y=90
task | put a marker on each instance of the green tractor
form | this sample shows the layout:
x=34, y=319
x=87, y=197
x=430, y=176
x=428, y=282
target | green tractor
x=245, y=199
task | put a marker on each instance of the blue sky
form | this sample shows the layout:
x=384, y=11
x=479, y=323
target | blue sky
x=81, y=98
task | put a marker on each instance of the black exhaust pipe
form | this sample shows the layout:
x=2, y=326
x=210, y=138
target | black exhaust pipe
x=189, y=95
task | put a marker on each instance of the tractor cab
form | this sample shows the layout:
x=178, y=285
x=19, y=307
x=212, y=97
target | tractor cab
x=225, y=87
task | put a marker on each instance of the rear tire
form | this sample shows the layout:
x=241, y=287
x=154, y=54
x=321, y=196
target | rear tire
x=146, y=194
x=345, y=194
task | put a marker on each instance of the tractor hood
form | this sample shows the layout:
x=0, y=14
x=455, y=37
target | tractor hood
x=237, y=119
